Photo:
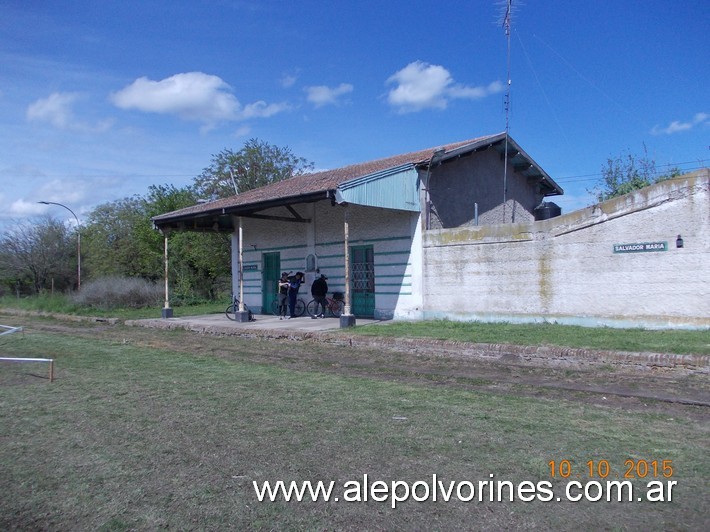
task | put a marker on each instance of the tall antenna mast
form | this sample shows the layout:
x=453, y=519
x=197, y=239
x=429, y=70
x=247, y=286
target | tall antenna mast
x=506, y=26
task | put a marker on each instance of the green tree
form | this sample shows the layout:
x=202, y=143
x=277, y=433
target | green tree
x=37, y=255
x=110, y=236
x=200, y=263
x=626, y=173
x=258, y=163
x=121, y=241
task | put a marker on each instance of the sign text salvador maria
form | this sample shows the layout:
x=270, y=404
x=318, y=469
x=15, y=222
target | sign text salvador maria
x=641, y=247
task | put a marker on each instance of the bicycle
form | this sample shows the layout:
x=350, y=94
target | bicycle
x=299, y=309
x=231, y=311
x=333, y=306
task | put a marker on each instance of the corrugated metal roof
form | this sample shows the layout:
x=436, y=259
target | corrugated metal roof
x=394, y=188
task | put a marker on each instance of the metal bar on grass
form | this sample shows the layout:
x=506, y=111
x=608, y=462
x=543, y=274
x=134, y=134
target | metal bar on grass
x=9, y=330
x=20, y=359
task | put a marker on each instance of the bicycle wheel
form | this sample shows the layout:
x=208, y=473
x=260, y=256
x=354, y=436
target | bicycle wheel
x=300, y=307
x=336, y=308
x=311, y=308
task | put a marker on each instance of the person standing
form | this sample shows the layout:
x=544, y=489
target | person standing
x=319, y=289
x=283, y=295
x=294, y=283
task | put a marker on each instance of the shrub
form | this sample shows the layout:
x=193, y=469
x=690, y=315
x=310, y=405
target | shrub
x=110, y=293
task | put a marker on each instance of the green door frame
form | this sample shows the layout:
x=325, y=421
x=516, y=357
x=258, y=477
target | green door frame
x=362, y=280
x=269, y=281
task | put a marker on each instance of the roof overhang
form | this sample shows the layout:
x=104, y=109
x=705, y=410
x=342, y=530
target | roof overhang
x=394, y=188
x=221, y=219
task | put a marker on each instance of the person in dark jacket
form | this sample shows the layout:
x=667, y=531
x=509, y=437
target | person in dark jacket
x=283, y=295
x=294, y=283
x=319, y=289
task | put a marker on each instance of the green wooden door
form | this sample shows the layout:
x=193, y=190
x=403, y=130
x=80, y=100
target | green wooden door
x=362, y=281
x=272, y=273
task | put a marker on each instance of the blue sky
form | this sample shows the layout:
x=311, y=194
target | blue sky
x=100, y=99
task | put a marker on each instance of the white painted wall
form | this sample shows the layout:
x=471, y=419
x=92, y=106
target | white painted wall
x=565, y=269
x=394, y=235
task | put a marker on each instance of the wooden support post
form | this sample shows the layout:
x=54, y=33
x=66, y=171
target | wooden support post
x=241, y=314
x=241, y=266
x=167, y=311
x=346, y=239
x=347, y=319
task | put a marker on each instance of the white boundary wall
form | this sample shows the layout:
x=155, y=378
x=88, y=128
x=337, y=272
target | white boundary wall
x=565, y=269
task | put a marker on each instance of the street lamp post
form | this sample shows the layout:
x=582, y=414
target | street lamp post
x=78, y=241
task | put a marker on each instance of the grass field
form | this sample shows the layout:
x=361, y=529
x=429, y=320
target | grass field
x=638, y=340
x=61, y=304
x=147, y=433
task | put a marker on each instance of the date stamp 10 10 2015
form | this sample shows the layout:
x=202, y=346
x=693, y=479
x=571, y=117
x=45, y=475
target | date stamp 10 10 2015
x=631, y=469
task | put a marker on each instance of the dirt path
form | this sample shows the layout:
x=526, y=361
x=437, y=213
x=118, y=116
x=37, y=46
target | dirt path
x=643, y=389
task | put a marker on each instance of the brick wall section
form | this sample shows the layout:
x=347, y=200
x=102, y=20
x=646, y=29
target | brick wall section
x=457, y=187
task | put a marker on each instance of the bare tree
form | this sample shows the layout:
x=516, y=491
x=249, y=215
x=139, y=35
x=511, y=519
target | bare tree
x=37, y=252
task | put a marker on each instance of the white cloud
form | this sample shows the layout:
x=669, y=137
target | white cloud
x=474, y=93
x=73, y=193
x=242, y=131
x=288, y=80
x=261, y=109
x=700, y=119
x=193, y=96
x=320, y=95
x=68, y=191
x=420, y=86
x=21, y=207
x=57, y=110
